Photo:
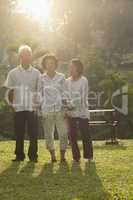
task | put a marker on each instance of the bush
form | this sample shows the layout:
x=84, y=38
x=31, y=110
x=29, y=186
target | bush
x=6, y=121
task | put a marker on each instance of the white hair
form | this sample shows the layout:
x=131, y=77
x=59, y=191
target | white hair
x=23, y=48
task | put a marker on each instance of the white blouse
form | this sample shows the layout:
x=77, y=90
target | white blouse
x=53, y=92
x=78, y=97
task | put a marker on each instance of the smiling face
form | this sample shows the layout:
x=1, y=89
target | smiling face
x=76, y=68
x=50, y=65
x=73, y=70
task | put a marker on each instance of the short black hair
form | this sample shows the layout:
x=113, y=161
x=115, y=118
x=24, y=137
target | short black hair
x=51, y=57
x=78, y=64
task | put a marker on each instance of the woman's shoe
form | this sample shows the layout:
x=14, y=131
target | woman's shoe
x=63, y=160
x=53, y=157
x=34, y=160
x=62, y=155
x=76, y=161
x=90, y=161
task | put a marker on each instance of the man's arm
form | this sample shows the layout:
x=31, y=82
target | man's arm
x=10, y=84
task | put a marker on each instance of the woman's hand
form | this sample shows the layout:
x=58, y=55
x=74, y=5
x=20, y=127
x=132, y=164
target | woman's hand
x=69, y=108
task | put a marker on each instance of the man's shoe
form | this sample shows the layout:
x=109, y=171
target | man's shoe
x=53, y=160
x=17, y=160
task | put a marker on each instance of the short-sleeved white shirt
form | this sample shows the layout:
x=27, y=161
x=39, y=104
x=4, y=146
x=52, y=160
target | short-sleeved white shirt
x=24, y=82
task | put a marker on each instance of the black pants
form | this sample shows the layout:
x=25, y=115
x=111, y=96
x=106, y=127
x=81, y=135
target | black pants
x=74, y=125
x=23, y=120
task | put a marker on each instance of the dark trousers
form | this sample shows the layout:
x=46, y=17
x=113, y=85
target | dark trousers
x=23, y=120
x=80, y=124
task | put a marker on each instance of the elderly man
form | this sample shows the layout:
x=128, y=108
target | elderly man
x=23, y=82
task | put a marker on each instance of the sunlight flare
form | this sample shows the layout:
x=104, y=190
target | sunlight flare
x=38, y=9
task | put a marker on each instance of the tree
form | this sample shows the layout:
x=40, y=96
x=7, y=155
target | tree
x=103, y=24
x=6, y=29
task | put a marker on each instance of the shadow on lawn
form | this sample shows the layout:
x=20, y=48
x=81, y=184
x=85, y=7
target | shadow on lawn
x=111, y=147
x=60, y=182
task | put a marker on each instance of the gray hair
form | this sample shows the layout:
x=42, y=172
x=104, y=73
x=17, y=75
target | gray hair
x=23, y=48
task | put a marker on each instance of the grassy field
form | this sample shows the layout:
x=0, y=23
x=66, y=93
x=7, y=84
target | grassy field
x=110, y=178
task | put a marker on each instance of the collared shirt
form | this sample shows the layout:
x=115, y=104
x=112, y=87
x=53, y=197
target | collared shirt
x=24, y=83
x=78, y=97
x=53, y=93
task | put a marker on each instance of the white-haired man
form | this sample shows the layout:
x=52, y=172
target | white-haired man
x=23, y=82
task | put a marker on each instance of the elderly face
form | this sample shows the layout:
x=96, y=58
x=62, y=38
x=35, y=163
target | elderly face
x=50, y=65
x=25, y=57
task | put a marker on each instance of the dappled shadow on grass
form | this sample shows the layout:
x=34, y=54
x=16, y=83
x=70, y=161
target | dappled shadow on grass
x=110, y=146
x=103, y=146
x=58, y=181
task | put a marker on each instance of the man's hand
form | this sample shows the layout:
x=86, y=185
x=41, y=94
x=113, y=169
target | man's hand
x=11, y=96
x=11, y=108
x=9, y=99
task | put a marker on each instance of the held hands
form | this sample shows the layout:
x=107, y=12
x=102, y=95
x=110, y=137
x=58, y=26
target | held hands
x=68, y=106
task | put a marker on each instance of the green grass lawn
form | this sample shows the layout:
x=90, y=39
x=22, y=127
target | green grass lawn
x=110, y=178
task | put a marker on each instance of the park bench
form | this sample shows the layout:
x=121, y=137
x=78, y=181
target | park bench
x=105, y=118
